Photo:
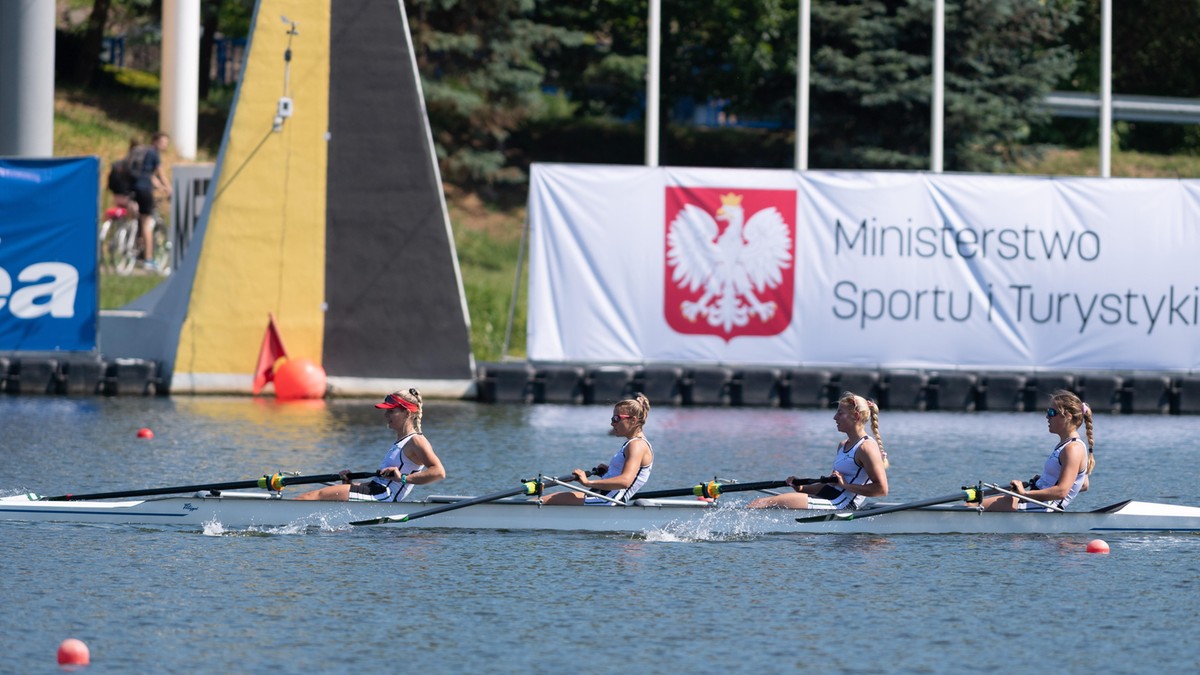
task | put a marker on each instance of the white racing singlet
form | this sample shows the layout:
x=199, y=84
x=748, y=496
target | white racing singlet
x=834, y=497
x=385, y=489
x=616, y=466
x=1051, y=472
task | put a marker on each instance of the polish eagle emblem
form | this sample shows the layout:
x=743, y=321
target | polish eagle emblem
x=737, y=266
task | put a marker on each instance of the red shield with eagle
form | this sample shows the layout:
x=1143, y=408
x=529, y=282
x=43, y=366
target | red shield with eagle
x=730, y=261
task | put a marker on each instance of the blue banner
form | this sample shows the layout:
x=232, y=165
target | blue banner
x=49, y=291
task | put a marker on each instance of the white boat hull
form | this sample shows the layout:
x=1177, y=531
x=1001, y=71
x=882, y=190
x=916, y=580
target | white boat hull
x=245, y=510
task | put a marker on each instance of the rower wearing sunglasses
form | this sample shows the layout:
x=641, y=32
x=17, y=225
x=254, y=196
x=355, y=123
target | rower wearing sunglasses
x=628, y=470
x=1067, y=468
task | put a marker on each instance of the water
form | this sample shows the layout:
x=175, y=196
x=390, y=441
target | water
x=171, y=600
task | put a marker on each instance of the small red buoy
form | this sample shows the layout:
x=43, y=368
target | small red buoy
x=1097, y=546
x=299, y=379
x=145, y=432
x=73, y=652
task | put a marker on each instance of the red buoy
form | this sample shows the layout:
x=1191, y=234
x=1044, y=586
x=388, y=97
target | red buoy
x=145, y=432
x=298, y=379
x=1097, y=546
x=73, y=652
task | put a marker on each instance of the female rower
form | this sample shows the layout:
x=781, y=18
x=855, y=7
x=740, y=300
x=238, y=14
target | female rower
x=1068, y=467
x=859, y=467
x=628, y=470
x=411, y=460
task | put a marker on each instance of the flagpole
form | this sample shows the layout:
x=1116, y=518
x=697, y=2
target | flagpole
x=1105, y=88
x=936, y=141
x=654, y=49
x=803, y=47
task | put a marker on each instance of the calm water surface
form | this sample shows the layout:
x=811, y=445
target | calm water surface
x=168, y=600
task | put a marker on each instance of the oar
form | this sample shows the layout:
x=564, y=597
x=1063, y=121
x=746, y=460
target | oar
x=529, y=487
x=967, y=494
x=274, y=482
x=996, y=488
x=713, y=489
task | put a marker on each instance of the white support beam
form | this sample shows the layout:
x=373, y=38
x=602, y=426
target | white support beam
x=26, y=78
x=803, y=51
x=936, y=140
x=653, y=56
x=1106, y=88
x=179, y=95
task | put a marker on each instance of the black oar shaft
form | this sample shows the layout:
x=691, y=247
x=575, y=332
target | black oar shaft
x=529, y=487
x=967, y=494
x=525, y=489
x=234, y=485
x=961, y=495
x=714, y=489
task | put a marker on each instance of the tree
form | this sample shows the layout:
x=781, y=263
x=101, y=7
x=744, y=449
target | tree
x=230, y=17
x=873, y=79
x=603, y=72
x=480, y=79
x=88, y=63
x=1154, y=47
x=871, y=70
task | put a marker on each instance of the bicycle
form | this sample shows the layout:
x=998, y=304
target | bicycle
x=121, y=245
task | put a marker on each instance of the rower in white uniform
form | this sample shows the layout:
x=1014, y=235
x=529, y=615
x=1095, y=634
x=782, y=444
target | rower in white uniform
x=628, y=470
x=1066, y=471
x=410, y=461
x=859, y=466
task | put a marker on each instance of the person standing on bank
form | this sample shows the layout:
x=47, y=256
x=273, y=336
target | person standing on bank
x=410, y=461
x=628, y=470
x=859, y=467
x=1068, y=467
x=149, y=175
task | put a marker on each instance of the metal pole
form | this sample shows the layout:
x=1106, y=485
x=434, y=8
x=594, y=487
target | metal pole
x=654, y=49
x=180, y=92
x=936, y=141
x=1106, y=88
x=27, y=78
x=803, y=48
x=512, y=304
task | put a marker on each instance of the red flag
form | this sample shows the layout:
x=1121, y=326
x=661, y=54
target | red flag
x=271, y=351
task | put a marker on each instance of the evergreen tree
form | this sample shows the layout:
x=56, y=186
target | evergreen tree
x=1154, y=47
x=872, y=81
x=871, y=77
x=481, y=79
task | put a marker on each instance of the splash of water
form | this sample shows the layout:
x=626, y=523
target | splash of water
x=724, y=523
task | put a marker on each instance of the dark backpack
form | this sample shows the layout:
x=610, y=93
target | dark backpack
x=136, y=161
x=121, y=177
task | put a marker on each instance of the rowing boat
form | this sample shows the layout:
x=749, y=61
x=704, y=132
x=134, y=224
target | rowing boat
x=235, y=509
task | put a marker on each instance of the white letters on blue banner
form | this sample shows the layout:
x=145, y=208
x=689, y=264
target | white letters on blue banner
x=48, y=277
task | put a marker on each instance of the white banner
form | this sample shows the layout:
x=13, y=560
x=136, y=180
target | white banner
x=892, y=270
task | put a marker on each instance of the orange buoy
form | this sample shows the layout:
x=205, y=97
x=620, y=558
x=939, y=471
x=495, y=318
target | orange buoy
x=145, y=432
x=73, y=652
x=298, y=379
x=1097, y=546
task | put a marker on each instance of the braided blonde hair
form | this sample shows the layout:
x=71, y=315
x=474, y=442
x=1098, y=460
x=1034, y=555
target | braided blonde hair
x=1073, y=408
x=866, y=410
